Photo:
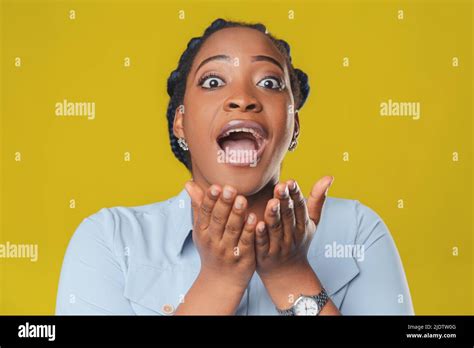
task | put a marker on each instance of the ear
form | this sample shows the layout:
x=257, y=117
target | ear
x=178, y=122
x=297, y=126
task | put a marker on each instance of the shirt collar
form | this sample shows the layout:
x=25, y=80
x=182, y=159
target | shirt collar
x=182, y=215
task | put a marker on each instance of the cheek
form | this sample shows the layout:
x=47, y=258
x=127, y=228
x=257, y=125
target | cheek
x=282, y=122
x=198, y=118
x=197, y=134
x=197, y=127
x=203, y=105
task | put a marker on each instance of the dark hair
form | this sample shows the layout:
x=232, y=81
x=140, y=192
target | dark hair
x=176, y=85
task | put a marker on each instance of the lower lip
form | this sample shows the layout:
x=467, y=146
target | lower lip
x=251, y=165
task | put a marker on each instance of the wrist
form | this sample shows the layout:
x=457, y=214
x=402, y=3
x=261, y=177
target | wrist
x=224, y=281
x=211, y=294
x=285, y=285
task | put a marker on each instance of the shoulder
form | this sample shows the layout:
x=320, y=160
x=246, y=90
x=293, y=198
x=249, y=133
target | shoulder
x=122, y=218
x=117, y=214
x=134, y=232
x=346, y=230
x=111, y=222
x=349, y=221
x=359, y=251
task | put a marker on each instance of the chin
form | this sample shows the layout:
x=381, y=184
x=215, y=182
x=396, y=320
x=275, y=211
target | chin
x=246, y=180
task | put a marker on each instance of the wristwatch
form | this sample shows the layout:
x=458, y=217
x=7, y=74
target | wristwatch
x=307, y=305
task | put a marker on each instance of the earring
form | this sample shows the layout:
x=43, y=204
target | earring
x=293, y=145
x=182, y=144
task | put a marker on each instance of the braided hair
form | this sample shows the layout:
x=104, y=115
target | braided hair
x=176, y=84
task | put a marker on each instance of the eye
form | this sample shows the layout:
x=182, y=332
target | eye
x=211, y=81
x=271, y=82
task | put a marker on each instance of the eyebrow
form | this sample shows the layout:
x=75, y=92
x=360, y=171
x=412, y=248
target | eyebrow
x=258, y=58
x=268, y=59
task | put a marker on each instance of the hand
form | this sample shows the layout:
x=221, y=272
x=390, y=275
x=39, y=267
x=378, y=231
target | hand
x=223, y=234
x=283, y=238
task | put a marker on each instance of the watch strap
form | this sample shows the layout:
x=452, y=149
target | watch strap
x=287, y=312
x=321, y=300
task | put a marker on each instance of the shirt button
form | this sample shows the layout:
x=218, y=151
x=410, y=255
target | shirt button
x=168, y=308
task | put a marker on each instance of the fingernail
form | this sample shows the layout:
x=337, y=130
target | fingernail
x=260, y=228
x=187, y=186
x=251, y=219
x=275, y=208
x=327, y=189
x=214, y=191
x=284, y=191
x=239, y=203
x=293, y=186
x=227, y=193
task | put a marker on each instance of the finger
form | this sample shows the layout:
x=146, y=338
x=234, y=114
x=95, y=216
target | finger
x=300, y=209
x=262, y=240
x=247, y=238
x=221, y=211
x=274, y=225
x=317, y=197
x=208, y=202
x=286, y=212
x=235, y=222
x=196, y=194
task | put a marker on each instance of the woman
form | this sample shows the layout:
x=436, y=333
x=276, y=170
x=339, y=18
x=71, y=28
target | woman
x=237, y=240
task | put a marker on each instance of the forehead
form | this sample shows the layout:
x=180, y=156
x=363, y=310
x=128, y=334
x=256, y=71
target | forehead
x=239, y=42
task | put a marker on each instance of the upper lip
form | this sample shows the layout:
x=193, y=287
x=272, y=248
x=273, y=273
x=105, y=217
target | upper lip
x=253, y=127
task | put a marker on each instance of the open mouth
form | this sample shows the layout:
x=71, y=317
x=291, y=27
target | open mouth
x=243, y=136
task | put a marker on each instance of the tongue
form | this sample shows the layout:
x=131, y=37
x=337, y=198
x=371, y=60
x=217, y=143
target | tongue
x=239, y=145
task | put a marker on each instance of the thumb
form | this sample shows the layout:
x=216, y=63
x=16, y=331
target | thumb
x=317, y=197
x=196, y=195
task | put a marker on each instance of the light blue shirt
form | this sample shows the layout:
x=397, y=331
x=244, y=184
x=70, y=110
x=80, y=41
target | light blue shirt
x=142, y=260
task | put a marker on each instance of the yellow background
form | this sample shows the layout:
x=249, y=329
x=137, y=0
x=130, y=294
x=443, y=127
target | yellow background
x=390, y=158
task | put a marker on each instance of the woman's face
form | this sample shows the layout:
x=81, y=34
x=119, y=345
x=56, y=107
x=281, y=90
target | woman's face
x=238, y=115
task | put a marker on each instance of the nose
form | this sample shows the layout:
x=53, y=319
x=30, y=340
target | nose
x=242, y=102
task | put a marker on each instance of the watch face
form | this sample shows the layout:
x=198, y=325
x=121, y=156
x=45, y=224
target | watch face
x=306, y=306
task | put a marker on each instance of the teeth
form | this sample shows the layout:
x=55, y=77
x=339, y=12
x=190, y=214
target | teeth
x=246, y=130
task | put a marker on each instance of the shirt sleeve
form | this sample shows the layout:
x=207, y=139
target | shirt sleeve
x=381, y=287
x=91, y=280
